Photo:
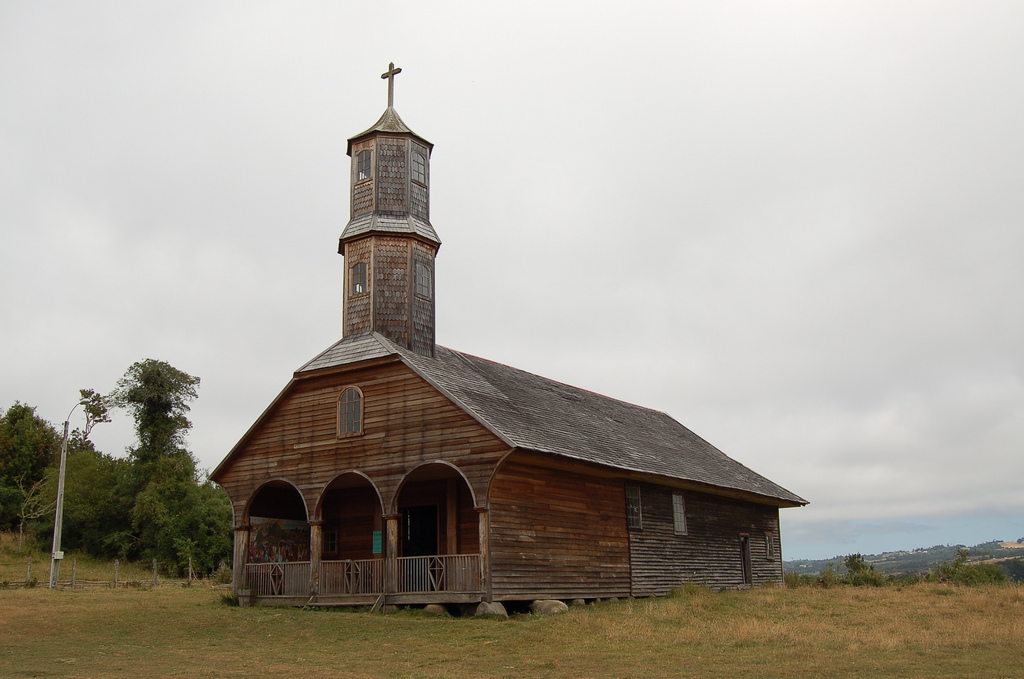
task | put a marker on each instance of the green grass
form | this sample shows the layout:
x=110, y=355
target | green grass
x=917, y=631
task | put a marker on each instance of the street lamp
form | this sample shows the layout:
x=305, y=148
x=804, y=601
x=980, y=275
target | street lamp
x=56, y=555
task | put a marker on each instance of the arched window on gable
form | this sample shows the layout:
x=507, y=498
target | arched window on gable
x=350, y=412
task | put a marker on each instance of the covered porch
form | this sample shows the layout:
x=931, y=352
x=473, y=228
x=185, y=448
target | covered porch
x=425, y=551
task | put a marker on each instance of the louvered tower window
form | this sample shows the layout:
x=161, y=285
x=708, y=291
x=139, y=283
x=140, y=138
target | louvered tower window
x=363, y=161
x=424, y=284
x=358, y=278
x=419, y=168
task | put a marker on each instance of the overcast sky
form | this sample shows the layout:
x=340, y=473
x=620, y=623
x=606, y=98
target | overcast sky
x=795, y=227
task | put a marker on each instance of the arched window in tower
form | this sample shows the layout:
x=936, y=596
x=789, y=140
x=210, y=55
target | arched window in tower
x=424, y=281
x=350, y=412
x=363, y=161
x=419, y=168
x=358, y=278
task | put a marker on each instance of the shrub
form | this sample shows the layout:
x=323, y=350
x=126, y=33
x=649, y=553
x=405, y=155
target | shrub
x=859, y=572
x=829, y=577
x=962, y=572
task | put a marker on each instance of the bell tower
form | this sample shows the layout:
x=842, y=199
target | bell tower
x=388, y=244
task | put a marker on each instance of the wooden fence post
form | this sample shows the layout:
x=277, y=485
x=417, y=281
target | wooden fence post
x=74, y=564
x=28, y=573
x=154, y=572
x=115, y=573
x=190, y=571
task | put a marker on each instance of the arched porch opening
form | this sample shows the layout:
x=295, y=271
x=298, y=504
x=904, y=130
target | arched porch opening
x=352, y=543
x=278, y=554
x=437, y=542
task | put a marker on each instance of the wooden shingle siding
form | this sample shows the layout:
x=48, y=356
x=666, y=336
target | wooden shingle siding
x=709, y=553
x=556, y=535
x=406, y=422
x=391, y=289
x=422, y=309
x=392, y=180
x=358, y=317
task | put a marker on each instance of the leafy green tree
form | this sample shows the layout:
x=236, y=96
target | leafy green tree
x=97, y=409
x=173, y=516
x=99, y=492
x=28, y=444
x=158, y=396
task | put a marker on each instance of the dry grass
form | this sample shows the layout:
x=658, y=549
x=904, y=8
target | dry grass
x=14, y=566
x=919, y=631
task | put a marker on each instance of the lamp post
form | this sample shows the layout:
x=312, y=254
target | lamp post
x=58, y=520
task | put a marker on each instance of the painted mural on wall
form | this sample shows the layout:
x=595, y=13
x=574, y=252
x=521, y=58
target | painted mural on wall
x=278, y=540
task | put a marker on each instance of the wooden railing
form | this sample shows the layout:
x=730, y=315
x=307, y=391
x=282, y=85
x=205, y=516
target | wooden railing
x=365, y=576
x=278, y=579
x=447, y=573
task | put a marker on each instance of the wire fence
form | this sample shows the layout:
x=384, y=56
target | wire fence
x=35, y=572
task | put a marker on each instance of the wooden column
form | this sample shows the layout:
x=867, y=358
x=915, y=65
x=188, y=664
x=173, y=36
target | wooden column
x=240, y=556
x=483, y=521
x=452, y=513
x=391, y=554
x=316, y=547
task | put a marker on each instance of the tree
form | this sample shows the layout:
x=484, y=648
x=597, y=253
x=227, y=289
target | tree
x=97, y=409
x=33, y=506
x=99, y=493
x=28, y=444
x=173, y=517
x=157, y=394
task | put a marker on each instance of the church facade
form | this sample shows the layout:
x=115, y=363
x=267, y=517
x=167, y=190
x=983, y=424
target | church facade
x=391, y=470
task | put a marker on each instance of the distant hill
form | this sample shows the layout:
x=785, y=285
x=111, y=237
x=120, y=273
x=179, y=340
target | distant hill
x=1010, y=555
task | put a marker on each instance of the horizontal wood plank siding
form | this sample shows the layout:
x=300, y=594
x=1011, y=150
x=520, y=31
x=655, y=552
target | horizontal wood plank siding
x=709, y=554
x=406, y=422
x=556, y=535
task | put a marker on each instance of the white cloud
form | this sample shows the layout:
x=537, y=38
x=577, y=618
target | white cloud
x=795, y=227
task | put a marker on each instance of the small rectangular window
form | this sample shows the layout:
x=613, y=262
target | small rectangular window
x=424, y=286
x=419, y=168
x=769, y=546
x=331, y=542
x=359, y=278
x=363, y=166
x=634, y=518
x=679, y=513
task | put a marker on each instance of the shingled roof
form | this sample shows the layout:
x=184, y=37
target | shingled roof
x=534, y=413
x=390, y=122
x=372, y=222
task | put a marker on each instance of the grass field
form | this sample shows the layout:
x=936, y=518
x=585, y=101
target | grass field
x=919, y=631
x=14, y=565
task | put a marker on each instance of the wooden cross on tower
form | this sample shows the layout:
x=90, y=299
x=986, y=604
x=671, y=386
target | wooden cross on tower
x=390, y=76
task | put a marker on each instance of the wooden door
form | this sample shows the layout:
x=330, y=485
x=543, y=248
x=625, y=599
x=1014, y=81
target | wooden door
x=420, y=531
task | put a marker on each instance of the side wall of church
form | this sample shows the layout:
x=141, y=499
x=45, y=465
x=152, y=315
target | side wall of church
x=557, y=534
x=710, y=552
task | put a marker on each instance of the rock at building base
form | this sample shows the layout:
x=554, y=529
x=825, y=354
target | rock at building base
x=435, y=609
x=548, y=607
x=578, y=602
x=491, y=608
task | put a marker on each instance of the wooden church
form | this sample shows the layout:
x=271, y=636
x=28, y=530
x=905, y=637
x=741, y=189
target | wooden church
x=392, y=470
